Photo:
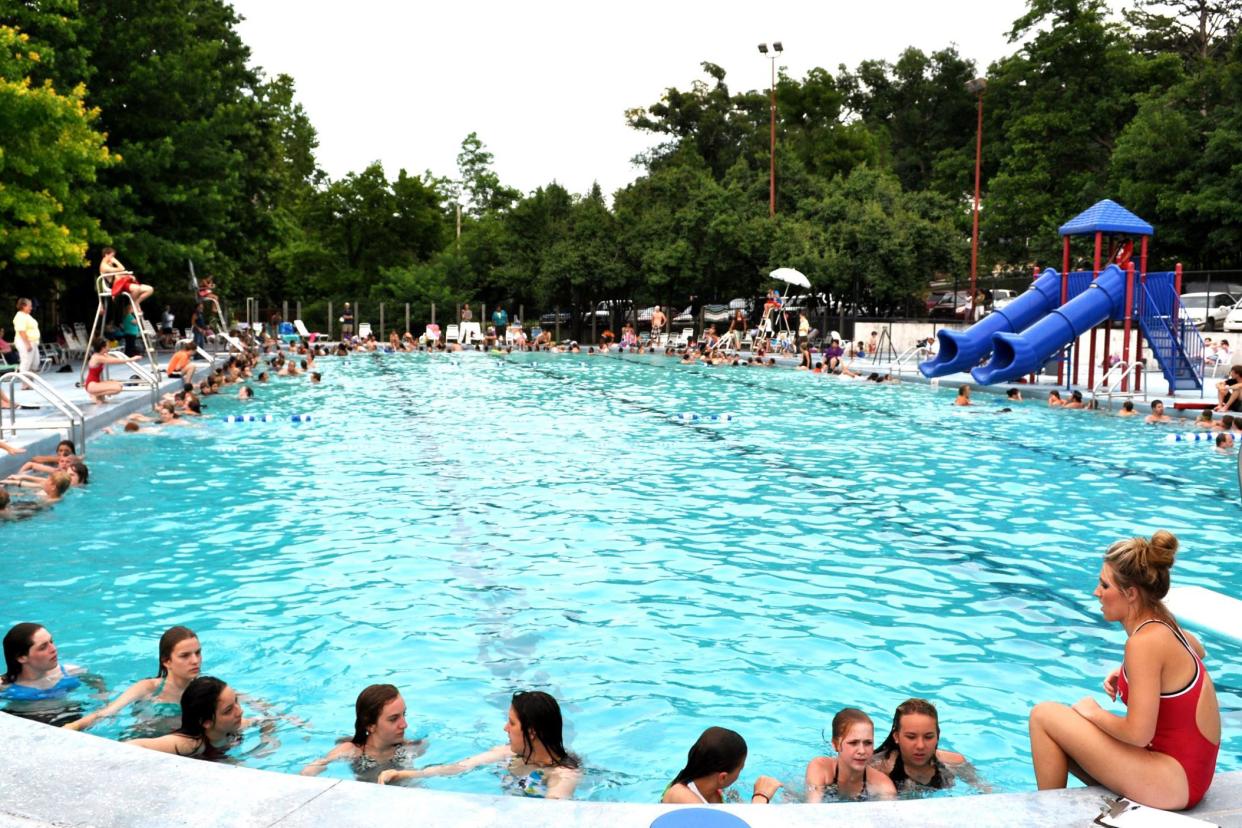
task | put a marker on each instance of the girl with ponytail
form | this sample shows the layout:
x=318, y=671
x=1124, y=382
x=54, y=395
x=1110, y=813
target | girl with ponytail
x=1162, y=751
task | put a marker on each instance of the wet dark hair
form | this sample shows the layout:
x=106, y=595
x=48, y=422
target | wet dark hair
x=367, y=709
x=1012, y=393
x=539, y=716
x=80, y=469
x=170, y=639
x=17, y=642
x=1128, y=405
x=1222, y=440
x=1054, y=394
x=717, y=750
x=99, y=345
x=198, y=706
x=910, y=706
x=1076, y=396
x=131, y=426
x=4, y=499
x=69, y=443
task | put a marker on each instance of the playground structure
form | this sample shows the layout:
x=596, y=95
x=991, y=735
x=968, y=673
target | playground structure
x=1053, y=317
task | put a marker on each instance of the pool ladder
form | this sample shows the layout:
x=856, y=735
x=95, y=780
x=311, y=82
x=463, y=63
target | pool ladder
x=76, y=419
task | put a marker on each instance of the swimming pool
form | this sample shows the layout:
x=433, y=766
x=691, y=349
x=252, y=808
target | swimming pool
x=464, y=526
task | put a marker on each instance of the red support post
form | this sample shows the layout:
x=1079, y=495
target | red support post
x=1065, y=266
x=1095, y=274
x=1125, y=343
x=1143, y=258
x=1138, y=379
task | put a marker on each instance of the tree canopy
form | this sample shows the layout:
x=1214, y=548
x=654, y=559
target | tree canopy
x=146, y=125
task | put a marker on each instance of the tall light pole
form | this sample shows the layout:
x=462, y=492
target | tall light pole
x=777, y=48
x=976, y=88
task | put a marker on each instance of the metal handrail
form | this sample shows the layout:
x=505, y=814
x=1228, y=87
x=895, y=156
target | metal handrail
x=103, y=291
x=77, y=420
x=145, y=377
x=1114, y=377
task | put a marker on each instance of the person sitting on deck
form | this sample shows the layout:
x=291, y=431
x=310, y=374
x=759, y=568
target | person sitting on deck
x=1162, y=751
x=1229, y=391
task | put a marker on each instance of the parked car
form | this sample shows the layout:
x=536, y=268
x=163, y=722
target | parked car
x=952, y=306
x=1002, y=297
x=604, y=311
x=1233, y=320
x=1208, y=310
x=551, y=320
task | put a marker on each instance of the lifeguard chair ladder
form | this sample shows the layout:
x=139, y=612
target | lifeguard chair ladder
x=103, y=290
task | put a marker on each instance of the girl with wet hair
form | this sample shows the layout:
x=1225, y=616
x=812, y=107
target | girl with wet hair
x=180, y=660
x=849, y=774
x=32, y=667
x=1162, y=751
x=537, y=763
x=211, y=722
x=911, y=755
x=379, y=742
x=713, y=764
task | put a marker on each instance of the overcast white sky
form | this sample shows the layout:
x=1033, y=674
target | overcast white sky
x=546, y=84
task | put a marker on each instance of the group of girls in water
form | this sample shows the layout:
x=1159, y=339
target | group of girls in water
x=1162, y=751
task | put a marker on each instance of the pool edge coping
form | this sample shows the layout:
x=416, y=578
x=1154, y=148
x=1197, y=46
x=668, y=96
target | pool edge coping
x=114, y=784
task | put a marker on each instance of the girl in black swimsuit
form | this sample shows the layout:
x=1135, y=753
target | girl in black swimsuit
x=848, y=775
x=910, y=755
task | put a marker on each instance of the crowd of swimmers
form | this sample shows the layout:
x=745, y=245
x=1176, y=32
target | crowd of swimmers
x=1161, y=750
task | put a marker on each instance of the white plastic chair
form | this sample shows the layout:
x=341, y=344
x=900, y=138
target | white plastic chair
x=452, y=334
x=364, y=330
x=471, y=332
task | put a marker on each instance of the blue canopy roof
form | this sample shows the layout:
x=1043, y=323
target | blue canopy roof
x=1106, y=216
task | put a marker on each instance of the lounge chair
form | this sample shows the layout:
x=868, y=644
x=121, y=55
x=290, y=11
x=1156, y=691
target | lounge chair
x=364, y=330
x=452, y=334
x=300, y=327
x=471, y=332
x=683, y=339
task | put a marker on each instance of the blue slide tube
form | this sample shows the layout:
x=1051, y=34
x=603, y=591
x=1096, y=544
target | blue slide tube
x=962, y=350
x=1016, y=354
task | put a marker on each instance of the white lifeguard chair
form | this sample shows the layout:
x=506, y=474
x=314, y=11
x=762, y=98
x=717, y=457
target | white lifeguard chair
x=103, y=291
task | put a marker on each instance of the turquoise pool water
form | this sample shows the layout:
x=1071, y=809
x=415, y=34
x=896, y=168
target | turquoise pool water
x=463, y=526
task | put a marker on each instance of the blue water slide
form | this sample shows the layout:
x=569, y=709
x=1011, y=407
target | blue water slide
x=1016, y=354
x=962, y=350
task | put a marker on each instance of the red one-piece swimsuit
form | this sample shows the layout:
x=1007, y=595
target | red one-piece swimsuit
x=1177, y=727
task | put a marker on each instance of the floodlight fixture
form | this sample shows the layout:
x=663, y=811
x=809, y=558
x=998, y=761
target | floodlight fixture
x=763, y=48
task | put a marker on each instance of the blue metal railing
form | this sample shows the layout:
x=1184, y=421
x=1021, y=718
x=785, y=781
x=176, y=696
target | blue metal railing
x=1173, y=335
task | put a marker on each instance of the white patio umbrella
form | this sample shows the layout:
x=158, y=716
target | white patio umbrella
x=790, y=276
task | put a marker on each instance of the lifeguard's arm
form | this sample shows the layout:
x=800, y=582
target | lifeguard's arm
x=345, y=750
x=1138, y=726
x=496, y=754
x=563, y=783
x=136, y=691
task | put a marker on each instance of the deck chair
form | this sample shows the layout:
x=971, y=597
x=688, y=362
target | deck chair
x=300, y=327
x=683, y=339
x=431, y=334
x=364, y=330
x=471, y=332
x=452, y=334
x=72, y=344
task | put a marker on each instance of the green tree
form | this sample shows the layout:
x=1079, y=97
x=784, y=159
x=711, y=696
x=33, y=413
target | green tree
x=49, y=152
x=479, y=184
x=1055, y=110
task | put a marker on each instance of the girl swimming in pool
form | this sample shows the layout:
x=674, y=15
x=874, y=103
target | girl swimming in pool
x=1162, y=752
x=848, y=775
x=33, y=670
x=379, y=742
x=911, y=756
x=714, y=763
x=537, y=762
x=180, y=660
x=211, y=722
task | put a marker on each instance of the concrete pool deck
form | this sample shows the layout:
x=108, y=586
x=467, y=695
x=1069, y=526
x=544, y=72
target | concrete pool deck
x=58, y=777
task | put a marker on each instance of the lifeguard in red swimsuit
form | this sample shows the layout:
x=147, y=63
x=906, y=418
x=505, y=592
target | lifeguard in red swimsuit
x=1162, y=752
x=122, y=280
